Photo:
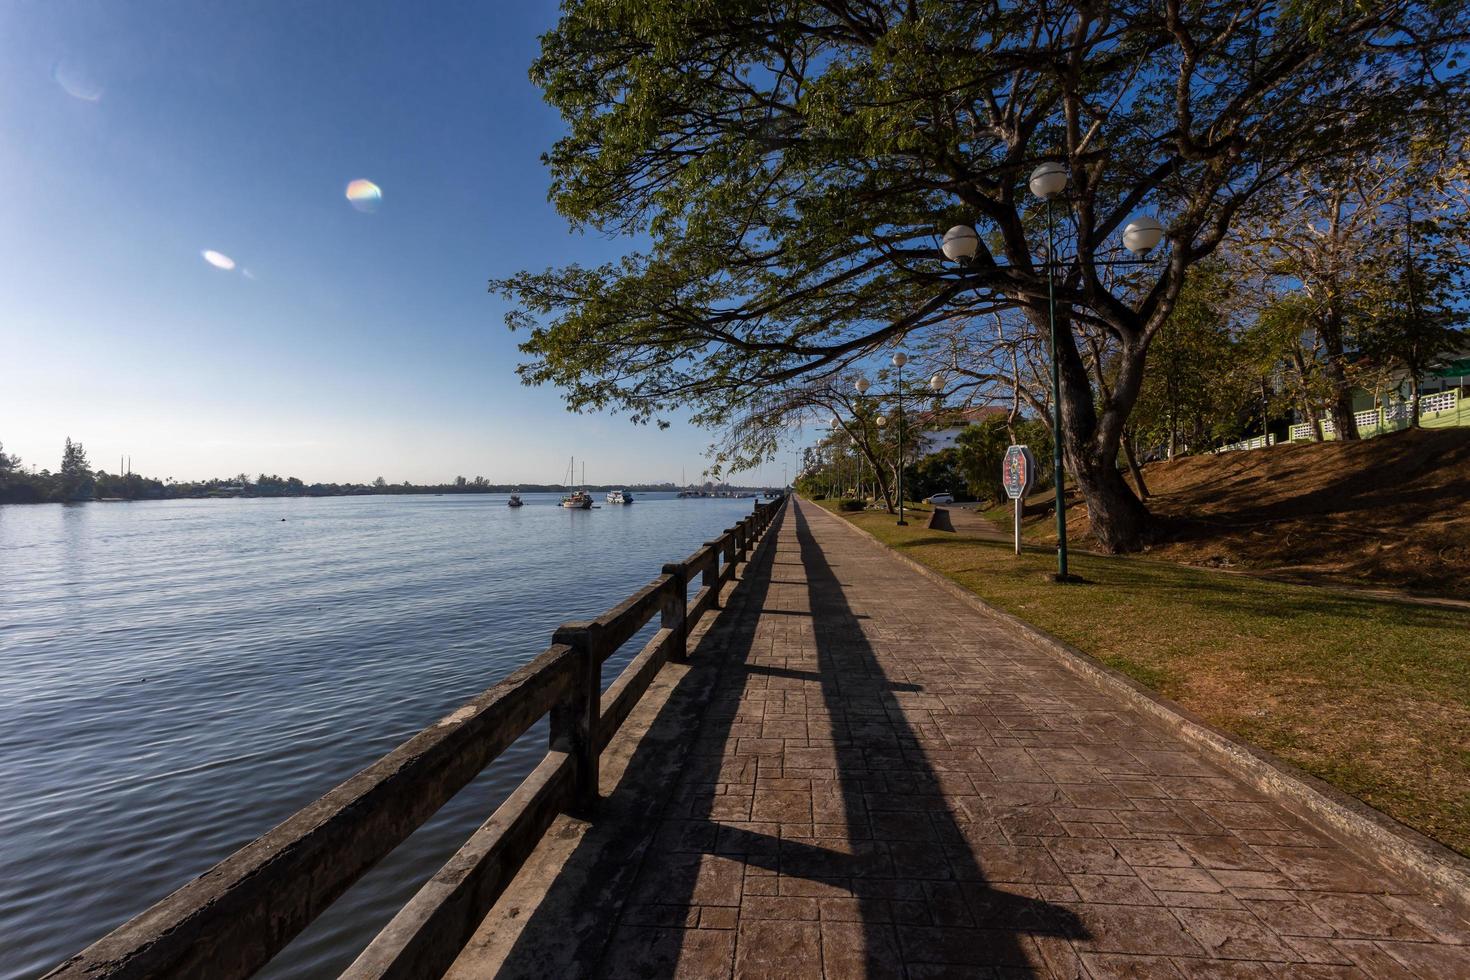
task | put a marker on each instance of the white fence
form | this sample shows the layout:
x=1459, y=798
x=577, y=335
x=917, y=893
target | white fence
x=1259, y=442
x=1303, y=430
x=1443, y=401
x=1390, y=418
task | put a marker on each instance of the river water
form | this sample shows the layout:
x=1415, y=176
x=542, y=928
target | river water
x=177, y=677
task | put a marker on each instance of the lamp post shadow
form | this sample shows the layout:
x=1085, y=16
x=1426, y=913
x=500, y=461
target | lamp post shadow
x=819, y=824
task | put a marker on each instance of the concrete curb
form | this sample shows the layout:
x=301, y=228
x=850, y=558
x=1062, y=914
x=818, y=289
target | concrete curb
x=1443, y=872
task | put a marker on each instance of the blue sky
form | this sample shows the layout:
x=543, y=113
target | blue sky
x=343, y=344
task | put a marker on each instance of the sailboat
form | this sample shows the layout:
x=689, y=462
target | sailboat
x=684, y=490
x=578, y=499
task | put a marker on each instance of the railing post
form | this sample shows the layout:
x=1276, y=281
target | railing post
x=676, y=611
x=711, y=579
x=729, y=539
x=574, y=718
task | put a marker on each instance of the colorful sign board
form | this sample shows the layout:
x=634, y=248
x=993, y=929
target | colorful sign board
x=1018, y=471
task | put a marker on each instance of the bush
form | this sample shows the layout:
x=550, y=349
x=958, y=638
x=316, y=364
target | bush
x=851, y=505
x=819, y=496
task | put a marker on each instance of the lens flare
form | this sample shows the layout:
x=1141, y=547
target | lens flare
x=218, y=259
x=76, y=81
x=364, y=195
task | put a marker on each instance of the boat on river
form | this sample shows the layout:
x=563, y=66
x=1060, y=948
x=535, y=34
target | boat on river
x=619, y=497
x=515, y=501
x=578, y=499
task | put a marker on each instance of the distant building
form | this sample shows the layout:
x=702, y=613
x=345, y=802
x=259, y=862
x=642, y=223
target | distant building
x=943, y=427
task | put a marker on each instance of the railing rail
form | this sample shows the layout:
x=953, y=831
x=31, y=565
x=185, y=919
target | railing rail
x=230, y=921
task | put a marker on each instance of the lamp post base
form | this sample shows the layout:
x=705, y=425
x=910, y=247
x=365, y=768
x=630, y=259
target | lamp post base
x=1068, y=579
x=903, y=523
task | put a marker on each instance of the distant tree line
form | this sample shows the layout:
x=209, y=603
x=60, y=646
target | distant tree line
x=75, y=481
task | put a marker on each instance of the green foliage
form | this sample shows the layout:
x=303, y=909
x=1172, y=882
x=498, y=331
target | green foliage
x=982, y=449
x=939, y=472
x=1411, y=314
x=76, y=473
x=790, y=164
x=851, y=505
x=1204, y=382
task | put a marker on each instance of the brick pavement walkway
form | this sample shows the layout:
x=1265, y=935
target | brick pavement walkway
x=886, y=783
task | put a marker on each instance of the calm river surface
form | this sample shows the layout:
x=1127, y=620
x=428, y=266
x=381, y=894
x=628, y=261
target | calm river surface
x=177, y=677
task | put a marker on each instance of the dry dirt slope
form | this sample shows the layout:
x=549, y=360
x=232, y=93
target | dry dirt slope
x=1391, y=511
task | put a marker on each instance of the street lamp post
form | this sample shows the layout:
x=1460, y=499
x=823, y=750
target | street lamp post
x=961, y=243
x=882, y=422
x=862, y=385
x=1047, y=181
x=899, y=360
x=836, y=461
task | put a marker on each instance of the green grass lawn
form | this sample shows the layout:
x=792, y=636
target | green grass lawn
x=1372, y=696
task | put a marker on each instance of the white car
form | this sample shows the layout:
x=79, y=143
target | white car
x=940, y=498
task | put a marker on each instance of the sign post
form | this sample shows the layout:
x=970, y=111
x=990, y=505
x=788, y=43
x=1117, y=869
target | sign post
x=1017, y=473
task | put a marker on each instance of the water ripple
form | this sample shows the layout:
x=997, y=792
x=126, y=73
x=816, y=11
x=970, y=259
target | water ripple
x=180, y=676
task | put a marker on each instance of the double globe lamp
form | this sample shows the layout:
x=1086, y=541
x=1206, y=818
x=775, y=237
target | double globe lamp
x=936, y=385
x=960, y=245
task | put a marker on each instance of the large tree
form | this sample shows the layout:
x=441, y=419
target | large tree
x=76, y=472
x=789, y=164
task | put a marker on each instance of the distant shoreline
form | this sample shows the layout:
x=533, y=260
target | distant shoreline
x=717, y=493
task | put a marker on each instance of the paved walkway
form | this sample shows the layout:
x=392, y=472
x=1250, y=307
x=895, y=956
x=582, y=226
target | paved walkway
x=968, y=522
x=885, y=783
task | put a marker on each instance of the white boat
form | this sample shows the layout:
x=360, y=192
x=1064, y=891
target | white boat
x=619, y=497
x=515, y=501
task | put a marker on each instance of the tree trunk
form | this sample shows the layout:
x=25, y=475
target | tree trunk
x=1341, y=405
x=1119, y=519
x=885, y=486
x=1304, y=393
x=1091, y=444
x=1133, y=466
x=1344, y=422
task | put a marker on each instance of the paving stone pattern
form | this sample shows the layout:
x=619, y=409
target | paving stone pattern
x=888, y=784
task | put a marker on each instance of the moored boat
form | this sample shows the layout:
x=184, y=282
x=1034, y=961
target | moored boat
x=578, y=499
x=515, y=501
x=619, y=497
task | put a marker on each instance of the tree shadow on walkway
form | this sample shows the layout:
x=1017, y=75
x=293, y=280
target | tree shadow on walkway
x=809, y=802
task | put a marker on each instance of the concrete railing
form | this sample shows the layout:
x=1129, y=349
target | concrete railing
x=231, y=920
